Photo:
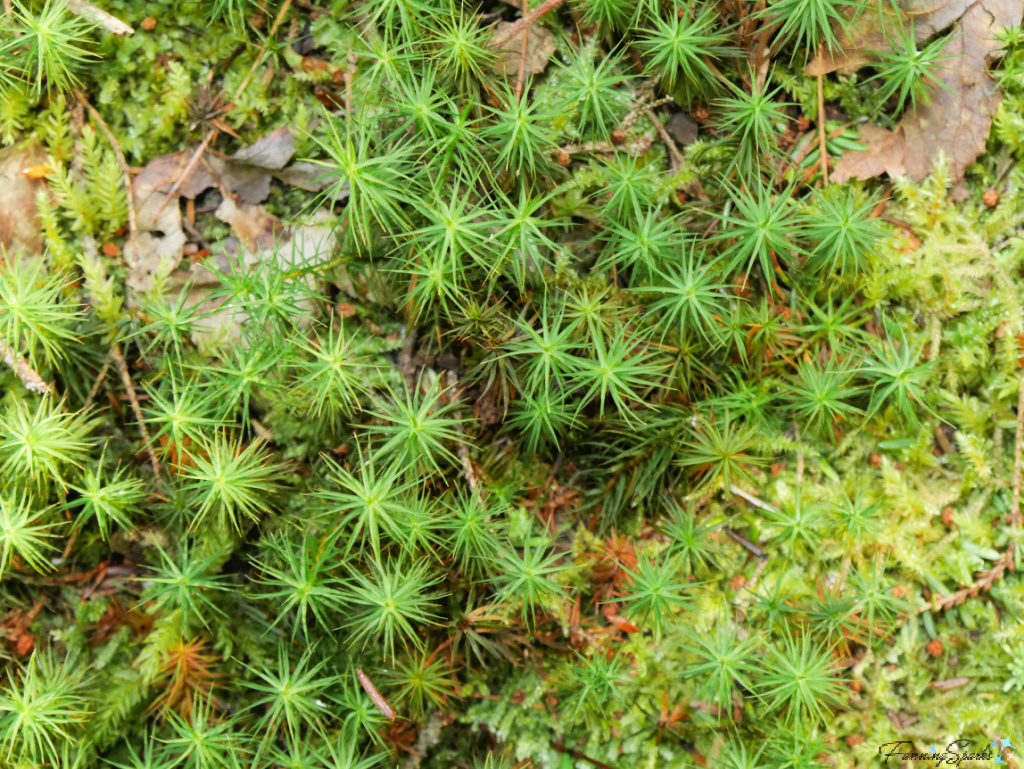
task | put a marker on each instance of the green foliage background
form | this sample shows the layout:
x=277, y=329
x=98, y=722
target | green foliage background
x=611, y=459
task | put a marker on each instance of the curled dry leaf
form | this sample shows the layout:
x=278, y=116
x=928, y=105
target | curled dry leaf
x=957, y=120
x=271, y=152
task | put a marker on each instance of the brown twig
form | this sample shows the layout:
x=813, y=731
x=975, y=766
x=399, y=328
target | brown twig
x=192, y=163
x=763, y=55
x=350, y=70
x=756, y=551
x=96, y=385
x=405, y=364
x=522, y=54
x=259, y=58
x=378, y=699
x=675, y=157
x=118, y=358
x=24, y=371
x=821, y=125
x=751, y=499
x=949, y=683
x=133, y=226
x=525, y=22
x=635, y=147
x=580, y=756
x=1015, y=517
x=467, y=464
x=212, y=135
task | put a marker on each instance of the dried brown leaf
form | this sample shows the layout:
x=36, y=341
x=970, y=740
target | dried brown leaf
x=246, y=175
x=159, y=247
x=884, y=155
x=271, y=152
x=254, y=226
x=866, y=33
x=261, y=238
x=19, y=222
x=958, y=119
x=540, y=47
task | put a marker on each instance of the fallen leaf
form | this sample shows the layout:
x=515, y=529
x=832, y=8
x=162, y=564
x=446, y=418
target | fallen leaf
x=884, y=154
x=254, y=226
x=540, y=47
x=682, y=128
x=160, y=245
x=271, y=152
x=866, y=34
x=261, y=238
x=309, y=176
x=246, y=174
x=957, y=120
x=19, y=222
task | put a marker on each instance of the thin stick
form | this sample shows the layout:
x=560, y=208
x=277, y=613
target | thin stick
x=188, y=170
x=259, y=59
x=751, y=498
x=98, y=16
x=757, y=573
x=378, y=699
x=212, y=135
x=133, y=226
x=746, y=543
x=118, y=359
x=404, y=363
x=522, y=54
x=1015, y=517
x=675, y=157
x=24, y=371
x=580, y=756
x=349, y=72
x=463, y=447
x=525, y=22
x=821, y=125
x=99, y=381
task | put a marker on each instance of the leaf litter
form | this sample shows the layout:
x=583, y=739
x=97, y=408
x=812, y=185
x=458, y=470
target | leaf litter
x=245, y=176
x=958, y=118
